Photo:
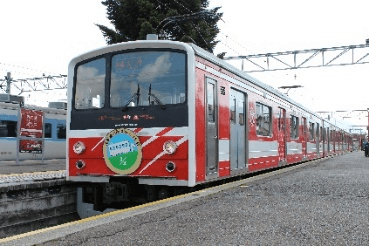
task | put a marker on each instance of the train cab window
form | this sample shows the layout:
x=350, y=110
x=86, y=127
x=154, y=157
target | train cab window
x=48, y=128
x=90, y=85
x=311, y=130
x=294, y=127
x=263, y=122
x=8, y=128
x=61, y=131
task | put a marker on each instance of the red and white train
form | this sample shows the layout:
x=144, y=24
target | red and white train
x=149, y=117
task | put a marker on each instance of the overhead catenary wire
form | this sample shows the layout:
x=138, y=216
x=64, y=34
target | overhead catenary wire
x=189, y=17
x=20, y=69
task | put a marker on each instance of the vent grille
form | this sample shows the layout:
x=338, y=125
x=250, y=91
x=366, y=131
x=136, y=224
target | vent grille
x=222, y=90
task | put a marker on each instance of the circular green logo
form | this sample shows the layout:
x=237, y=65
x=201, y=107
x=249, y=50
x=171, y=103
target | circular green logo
x=122, y=151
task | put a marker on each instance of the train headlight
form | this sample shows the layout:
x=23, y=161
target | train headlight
x=79, y=148
x=80, y=164
x=170, y=147
x=171, y=166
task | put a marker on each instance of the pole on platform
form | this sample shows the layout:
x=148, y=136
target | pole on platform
x=8, y=82
x=18, y=133
x=368, y=125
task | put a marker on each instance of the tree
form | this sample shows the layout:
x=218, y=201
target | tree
x=178, y=20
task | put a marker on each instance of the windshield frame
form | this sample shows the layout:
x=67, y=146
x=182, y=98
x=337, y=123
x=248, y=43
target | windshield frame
x=107, y=117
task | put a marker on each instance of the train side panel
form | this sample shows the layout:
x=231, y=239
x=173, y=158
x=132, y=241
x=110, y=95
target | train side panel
x=54, y=128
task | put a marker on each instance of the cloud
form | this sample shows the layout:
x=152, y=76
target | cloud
x=156, y=70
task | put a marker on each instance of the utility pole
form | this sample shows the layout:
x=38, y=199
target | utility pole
x=8, y=79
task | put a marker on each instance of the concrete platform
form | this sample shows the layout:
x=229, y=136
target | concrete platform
x=34, y=195
x=324, y=202
x=30, y=166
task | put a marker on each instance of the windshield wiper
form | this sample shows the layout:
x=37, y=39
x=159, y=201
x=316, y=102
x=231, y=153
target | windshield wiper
x=156, y=99
x=136, y=95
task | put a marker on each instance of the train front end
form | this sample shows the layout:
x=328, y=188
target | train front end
x=129, y=134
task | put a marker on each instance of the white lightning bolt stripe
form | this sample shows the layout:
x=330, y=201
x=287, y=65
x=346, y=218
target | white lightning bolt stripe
x=177, y=131
x=179, y=142
x=102, y=140
x=153, y=138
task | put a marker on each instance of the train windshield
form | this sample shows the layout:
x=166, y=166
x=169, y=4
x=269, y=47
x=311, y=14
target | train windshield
x=138, y=88
x=90, y=89
x=136, y=79
x=147, y=78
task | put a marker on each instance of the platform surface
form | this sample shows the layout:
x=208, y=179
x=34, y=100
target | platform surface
x=321, y=203
x=30, y=166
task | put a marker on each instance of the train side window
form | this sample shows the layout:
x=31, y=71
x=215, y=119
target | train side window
x=263, y=122
x=211, y=103
x=233, y=111
x=328, y=135
x=304, y=126
x=61, y=131
x=241, y=114
x=317, y=131
x=8, y=128
x=294, y=127
x=48, y=133
x=311, y=130
x=279, y=119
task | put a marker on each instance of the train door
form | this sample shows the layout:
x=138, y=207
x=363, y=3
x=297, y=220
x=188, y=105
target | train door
x=328, y=141
x=324, y=149
x=321, y=143
x=317, y=140
x=211, y=128
x=305, y=137
x=282, y=136
x=333, y=139
x=238, y=130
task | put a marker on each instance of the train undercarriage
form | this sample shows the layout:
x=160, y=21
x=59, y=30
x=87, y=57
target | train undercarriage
x=120, y=193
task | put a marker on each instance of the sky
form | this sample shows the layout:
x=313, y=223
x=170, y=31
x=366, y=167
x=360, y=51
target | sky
x=42, y=36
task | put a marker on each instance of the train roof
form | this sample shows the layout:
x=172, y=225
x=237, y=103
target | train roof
x=16, y=106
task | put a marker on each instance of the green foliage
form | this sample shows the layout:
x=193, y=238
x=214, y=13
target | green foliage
x=178, y=20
